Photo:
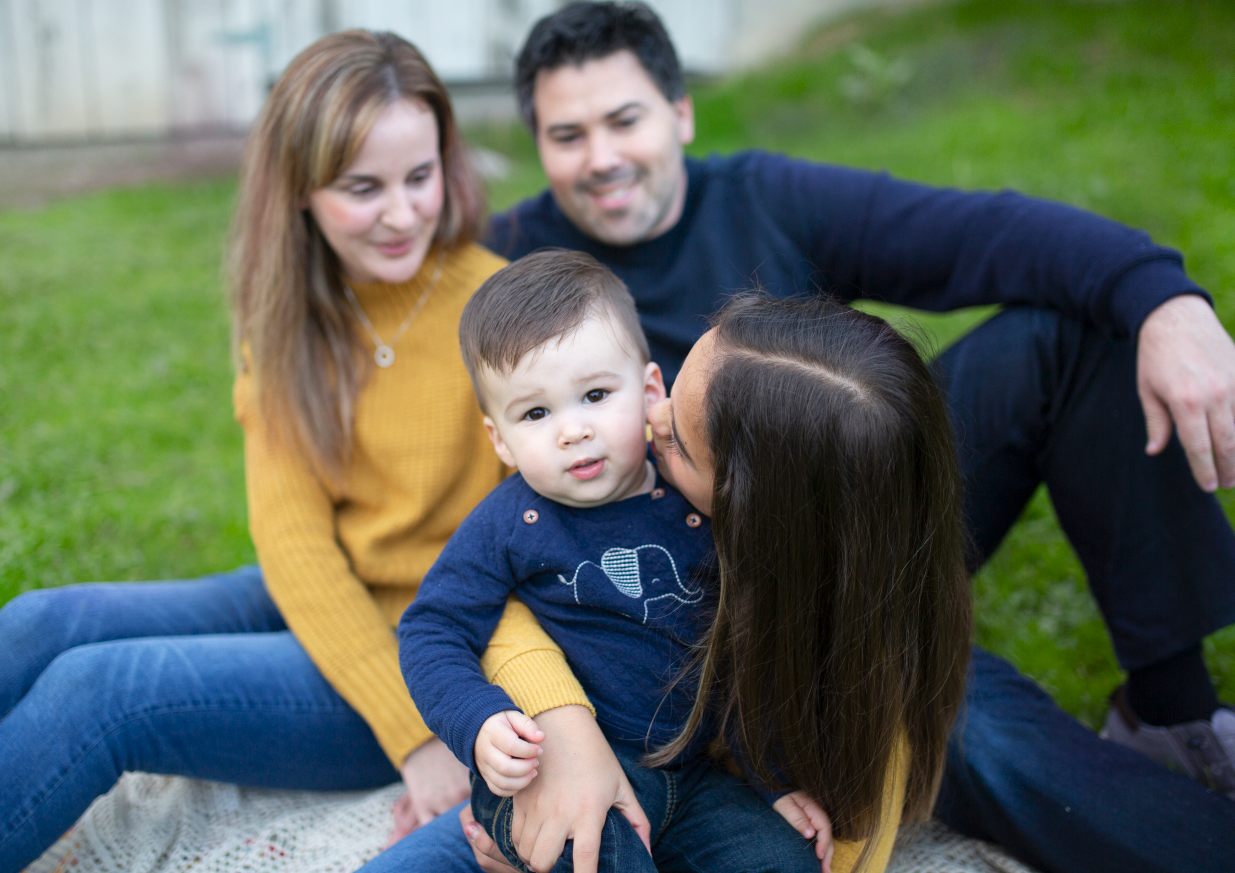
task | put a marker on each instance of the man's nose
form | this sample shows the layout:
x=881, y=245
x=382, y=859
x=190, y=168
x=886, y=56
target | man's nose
x=603, y=154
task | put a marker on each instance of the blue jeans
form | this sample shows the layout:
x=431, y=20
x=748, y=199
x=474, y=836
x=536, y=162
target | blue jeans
x=198, y=679
x=1037, y=397
x=702, y=818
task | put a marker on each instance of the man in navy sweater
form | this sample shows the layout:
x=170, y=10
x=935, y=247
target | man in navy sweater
x=1103, y=349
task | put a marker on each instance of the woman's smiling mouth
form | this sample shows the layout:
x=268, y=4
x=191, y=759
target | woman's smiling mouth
x=397, y=248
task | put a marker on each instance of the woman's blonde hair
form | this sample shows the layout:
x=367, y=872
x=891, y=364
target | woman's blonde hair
x=291, y=318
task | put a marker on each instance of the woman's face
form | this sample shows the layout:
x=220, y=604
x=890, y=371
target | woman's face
x=381, y=214
x=678, y=430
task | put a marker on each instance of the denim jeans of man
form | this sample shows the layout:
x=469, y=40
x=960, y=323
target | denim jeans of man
x=1037, y=397
x=702, y=818
x=186, y=678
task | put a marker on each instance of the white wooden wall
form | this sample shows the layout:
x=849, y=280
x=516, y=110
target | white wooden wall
x=101, y=69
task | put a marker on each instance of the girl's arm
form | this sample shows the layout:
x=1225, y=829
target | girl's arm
x=846, y=854
x=579, y=780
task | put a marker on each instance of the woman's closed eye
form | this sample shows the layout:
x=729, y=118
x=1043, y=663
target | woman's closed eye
x=596, y=395
x=420, y=175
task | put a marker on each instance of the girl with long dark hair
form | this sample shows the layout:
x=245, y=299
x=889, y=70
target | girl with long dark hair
x=816, y=439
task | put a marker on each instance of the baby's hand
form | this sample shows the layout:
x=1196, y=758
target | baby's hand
x=808, y=818
x=503, y=759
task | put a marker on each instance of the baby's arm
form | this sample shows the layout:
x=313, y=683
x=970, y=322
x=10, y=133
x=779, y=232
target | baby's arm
x=507, y=751
x=449, y=624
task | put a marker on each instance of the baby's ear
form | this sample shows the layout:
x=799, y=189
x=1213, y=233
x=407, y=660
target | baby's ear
x=653, y=386
x=499, y=445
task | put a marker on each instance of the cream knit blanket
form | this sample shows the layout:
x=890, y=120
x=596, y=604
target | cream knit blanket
x=168, y=824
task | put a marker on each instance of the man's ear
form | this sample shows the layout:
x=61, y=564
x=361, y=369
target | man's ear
x=499, y=445
x=653, y=386
x=684, y=109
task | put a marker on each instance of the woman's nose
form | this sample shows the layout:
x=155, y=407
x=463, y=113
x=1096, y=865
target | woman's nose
x=659, y=417
x=398, y=214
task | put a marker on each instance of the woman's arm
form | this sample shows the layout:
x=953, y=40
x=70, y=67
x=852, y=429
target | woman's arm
x=579, y=780
x=846, y=854
x=330, y=611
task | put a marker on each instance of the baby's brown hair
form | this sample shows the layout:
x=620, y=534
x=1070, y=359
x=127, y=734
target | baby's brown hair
x=539, y=298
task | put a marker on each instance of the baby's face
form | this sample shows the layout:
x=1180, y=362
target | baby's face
x=571, y=416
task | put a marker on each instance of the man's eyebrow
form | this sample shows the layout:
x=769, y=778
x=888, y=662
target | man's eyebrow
x=677, y=440
x=633, y=104
x=570, y=126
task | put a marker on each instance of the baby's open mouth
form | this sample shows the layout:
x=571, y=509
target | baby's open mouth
x=588, y=468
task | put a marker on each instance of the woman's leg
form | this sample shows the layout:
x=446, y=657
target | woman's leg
x=249, y=708
x=37, y=626
x=439, y=846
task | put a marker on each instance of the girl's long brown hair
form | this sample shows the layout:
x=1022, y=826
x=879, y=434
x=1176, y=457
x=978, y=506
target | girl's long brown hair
x=844, y=607
x=290, y=315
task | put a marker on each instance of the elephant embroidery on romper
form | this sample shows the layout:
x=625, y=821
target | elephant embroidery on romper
x=621, y=567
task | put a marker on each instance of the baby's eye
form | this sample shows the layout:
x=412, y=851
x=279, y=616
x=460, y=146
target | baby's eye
x=596, y=395
x=535, y=414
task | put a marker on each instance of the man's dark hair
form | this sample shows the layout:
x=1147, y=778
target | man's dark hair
x=539, y=298
x=581, y=32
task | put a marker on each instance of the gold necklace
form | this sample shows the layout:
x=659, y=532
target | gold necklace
x=384, y=356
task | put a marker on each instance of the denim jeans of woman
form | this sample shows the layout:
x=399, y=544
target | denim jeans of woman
x=196, y=678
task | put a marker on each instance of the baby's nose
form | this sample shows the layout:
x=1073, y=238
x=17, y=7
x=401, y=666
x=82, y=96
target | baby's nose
x=574, y=432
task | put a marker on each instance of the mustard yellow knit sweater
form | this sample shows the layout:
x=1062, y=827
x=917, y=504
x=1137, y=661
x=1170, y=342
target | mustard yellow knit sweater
x=342, y=563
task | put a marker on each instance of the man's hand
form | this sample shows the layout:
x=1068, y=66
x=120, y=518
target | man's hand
x=506, y=752
x=808, y=818
x=580, y=780
x=435, y=781
x=1185, y=373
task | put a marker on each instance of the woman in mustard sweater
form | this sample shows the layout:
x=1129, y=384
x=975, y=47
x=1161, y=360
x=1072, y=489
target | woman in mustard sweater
x=352, y=258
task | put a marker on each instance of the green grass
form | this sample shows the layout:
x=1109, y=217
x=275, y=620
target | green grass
x=118, y=455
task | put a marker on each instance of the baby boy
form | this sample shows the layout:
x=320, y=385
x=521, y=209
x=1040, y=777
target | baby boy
x=614, y=563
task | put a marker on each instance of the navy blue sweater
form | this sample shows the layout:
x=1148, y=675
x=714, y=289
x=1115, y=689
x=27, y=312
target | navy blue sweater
x=625, y=589
x=793, y=226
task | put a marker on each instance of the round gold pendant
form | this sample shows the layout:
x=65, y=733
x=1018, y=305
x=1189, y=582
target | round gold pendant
x=384, y=356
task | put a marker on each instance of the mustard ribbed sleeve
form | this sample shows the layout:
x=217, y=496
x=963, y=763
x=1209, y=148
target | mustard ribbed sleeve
x=343, y=562
x=846, y=855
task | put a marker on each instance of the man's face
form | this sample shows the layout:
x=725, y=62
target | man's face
x=611, y=145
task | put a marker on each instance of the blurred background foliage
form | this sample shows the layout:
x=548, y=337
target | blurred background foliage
x=119, y=458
